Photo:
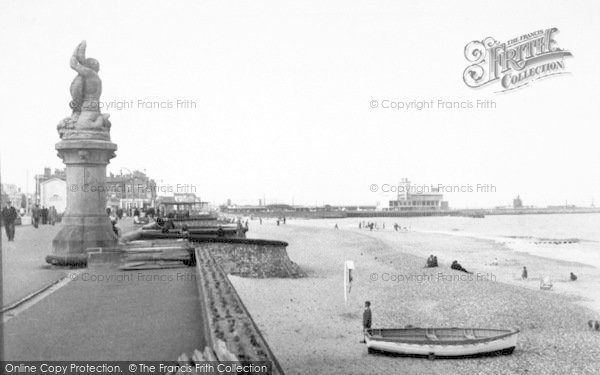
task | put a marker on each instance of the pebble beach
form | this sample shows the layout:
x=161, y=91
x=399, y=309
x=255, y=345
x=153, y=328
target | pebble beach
x=312, y=330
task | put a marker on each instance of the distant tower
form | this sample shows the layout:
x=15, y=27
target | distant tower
x=517, y=202
x=403, y=189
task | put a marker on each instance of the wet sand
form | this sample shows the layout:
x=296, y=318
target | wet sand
x=311, y=330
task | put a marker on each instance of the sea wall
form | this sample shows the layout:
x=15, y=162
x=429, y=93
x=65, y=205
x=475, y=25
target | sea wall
x=227, y=319
x=250, y=257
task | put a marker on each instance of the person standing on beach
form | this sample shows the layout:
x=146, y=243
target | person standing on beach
x=524, y=273
x=367, y=318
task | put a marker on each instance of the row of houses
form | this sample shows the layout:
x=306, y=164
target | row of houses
x=125, y=191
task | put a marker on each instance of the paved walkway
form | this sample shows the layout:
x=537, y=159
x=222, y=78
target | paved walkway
x=24, y=267
x=111, y=315
x=101, y=314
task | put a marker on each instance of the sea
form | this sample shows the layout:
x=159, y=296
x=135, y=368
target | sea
x=568, y=237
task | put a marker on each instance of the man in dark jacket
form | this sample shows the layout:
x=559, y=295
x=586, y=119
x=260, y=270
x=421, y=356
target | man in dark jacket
x=44, y=215
x=9, y=215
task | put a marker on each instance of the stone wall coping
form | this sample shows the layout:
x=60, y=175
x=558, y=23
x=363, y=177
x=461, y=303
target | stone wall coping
x=233, y=240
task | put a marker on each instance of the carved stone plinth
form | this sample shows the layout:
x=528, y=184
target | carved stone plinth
x=85, y=223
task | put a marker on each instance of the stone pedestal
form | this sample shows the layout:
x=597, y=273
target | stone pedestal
x=85, y=223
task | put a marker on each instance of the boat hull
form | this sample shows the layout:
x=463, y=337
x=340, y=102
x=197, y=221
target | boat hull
x=503, y=345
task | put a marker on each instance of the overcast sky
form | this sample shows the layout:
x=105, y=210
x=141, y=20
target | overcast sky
x=283, y=91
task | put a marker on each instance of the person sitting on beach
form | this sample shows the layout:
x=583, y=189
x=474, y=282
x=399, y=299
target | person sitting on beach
x=456, y=266
x=495, y=262
x=524, y=273
x=367, y=318
x=573, y=277
x=431, y=262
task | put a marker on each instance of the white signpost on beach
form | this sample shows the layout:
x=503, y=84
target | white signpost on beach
x=348, y=268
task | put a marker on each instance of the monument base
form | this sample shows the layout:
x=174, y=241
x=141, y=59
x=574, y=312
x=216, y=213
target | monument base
x=79, y=234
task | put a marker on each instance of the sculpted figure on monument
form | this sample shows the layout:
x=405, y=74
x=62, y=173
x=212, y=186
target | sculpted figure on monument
x=86, y=89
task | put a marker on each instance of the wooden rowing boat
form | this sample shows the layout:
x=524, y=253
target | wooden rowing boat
x=442, y=342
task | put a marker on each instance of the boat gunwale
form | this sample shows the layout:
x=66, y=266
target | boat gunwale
x=425, y=340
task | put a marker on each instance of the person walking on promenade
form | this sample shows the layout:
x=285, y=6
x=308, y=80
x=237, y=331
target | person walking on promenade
x=44, y=215
x=524, y=273
x=52, y=215
x=367, y=318
x=9, y=215
x=35, y=215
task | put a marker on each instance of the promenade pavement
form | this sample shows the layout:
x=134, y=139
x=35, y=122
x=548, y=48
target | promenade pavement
x=101, y=313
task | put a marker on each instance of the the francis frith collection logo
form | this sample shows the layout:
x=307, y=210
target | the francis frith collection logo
x=514, y=63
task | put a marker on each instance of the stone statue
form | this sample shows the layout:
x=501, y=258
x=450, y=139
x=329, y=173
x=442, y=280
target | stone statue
x=86, y=121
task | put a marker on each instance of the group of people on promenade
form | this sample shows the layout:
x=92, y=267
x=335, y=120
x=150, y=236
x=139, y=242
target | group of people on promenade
x=45, y=215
